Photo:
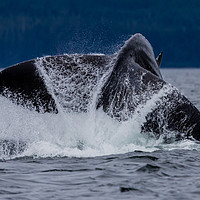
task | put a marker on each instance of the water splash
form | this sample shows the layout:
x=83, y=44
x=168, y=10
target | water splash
x=28, y=133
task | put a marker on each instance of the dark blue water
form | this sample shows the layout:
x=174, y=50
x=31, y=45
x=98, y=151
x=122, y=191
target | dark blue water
x=87, y=159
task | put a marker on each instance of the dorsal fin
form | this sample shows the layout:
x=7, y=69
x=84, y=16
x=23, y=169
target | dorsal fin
x=159, y=59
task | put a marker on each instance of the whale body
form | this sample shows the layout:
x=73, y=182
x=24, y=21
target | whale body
x=124, y=85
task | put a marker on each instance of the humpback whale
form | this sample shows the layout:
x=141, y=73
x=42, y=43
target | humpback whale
x=126, y=84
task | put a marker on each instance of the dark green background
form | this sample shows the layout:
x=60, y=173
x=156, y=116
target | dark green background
x=33, y=28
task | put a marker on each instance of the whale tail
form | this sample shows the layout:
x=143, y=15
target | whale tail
x=138, y=50
x=159, y=59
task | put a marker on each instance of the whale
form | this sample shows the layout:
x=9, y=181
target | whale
x=135, y=81
x=125, y=85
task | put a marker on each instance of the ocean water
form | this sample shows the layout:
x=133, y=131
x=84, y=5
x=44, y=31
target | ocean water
x=91, y=156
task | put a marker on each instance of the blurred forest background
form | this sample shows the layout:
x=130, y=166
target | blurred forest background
x=34, y=28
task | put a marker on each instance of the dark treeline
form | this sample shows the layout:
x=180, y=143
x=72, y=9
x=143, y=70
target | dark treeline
x=33, y=28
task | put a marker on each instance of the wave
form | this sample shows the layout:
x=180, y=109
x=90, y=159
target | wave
x=28, y=133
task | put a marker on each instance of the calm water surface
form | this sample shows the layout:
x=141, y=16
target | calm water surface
x=142, y=170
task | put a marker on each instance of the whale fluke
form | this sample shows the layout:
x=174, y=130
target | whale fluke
x=23, y=85
x=127, y=85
